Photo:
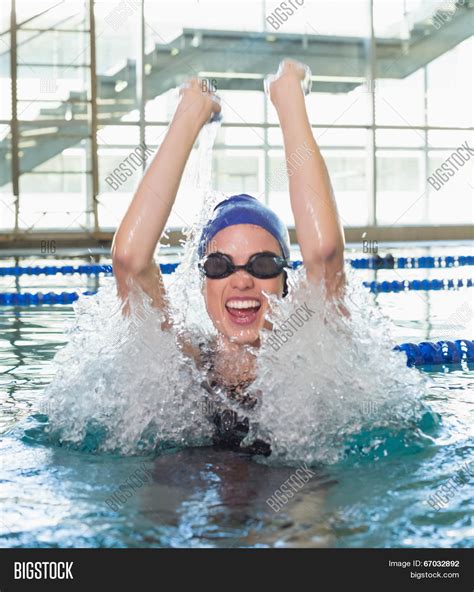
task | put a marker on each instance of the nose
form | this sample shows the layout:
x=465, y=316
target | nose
x=242, y=280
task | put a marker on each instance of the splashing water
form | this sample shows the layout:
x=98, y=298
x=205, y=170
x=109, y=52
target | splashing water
x=123, y=385
x=336, y=376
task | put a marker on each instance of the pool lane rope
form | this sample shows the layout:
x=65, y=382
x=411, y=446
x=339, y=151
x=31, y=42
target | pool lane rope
x=391, y=262
x=406, y=285
x=387, y=262
x=441, y=352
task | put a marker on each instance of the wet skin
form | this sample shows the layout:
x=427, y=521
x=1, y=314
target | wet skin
x=224, y=296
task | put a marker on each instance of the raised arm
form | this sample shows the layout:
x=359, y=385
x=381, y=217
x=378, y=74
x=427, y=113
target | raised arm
x=136, y=239
x=318, y=228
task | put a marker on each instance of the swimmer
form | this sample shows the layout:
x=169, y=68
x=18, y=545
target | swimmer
x=244, y=248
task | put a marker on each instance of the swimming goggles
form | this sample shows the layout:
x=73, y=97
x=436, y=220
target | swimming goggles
x=263, y=266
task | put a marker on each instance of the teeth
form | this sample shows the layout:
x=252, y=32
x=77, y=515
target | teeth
x=243, y=304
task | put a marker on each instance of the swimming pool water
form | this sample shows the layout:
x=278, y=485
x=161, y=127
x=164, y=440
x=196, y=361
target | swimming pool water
x=52, y=496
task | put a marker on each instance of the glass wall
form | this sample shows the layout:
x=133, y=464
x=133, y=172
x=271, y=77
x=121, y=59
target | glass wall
x=95, y=87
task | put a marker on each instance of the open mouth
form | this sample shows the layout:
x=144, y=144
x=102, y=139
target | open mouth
x=243, y=311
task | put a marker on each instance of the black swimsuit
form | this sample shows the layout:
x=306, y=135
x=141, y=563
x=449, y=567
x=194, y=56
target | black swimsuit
x=231, y=428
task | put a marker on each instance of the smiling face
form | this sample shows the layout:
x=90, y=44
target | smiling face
x=236, y=304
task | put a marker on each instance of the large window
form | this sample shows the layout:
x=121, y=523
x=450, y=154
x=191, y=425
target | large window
x=386, y=110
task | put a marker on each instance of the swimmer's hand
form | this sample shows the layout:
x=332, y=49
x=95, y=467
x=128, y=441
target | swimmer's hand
x=290, y=75
x=319, y=230
x=198, y=93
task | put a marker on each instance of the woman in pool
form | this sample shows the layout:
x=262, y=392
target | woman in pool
x=244, y=248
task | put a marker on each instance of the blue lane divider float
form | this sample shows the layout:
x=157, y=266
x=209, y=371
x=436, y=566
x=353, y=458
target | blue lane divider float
x=391, y=262
x=441, y=352
x=28, y=298
x=71, y=269
x=55, y=269
x=403, y=285
x=387, y=262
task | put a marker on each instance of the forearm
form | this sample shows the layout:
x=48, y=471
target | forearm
x=318, y=228
x=137, y=236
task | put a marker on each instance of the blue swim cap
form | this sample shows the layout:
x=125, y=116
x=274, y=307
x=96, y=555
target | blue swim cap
x=244, y=209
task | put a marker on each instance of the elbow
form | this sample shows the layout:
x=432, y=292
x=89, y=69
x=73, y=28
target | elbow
x=327, y=266
x=329, y=254
x=126, y=263
x=325, y=263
